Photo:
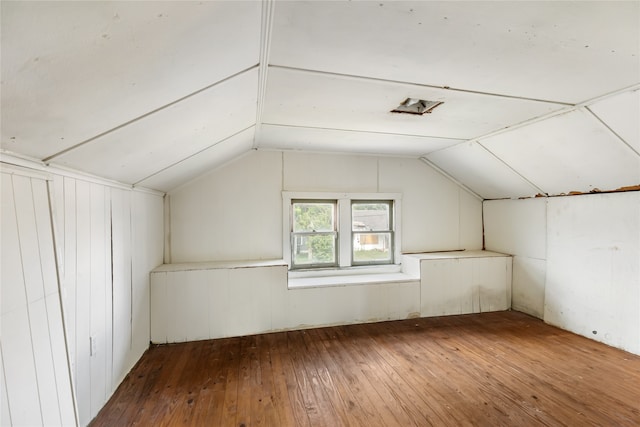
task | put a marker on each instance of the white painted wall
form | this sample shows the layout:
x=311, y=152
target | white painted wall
x=213, y=300
x=107, y=239
x=519, y=228
x=235, y=212
x=593, y=267
x=35, y=377
x=577, y=258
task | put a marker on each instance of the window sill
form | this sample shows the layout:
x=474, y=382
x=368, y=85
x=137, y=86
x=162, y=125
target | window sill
x=348, y=277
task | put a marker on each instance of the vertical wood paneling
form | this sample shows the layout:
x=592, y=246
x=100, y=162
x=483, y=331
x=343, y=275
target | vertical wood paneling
x=177, y=316
x=83, y=300
x=43, y=359
x=218, y=283
x=45, y=236
x=463, y=286
x=60, y=361
x=12, y=289
x=57, y=199
x=158, y=304
x=20, y=371
x=197, y=301
x=68, y=273
x=5, y=412
x=147, y=241
x=29, y=248
x=15, y=328
x=93, y=235
x=108, y=298
x=98, y=271
x=121, y=267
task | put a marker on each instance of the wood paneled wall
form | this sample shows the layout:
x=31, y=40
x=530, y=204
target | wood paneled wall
x=108, y=239
x=36, y=380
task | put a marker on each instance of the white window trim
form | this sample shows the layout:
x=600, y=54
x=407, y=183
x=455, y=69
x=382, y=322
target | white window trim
x=343, y=226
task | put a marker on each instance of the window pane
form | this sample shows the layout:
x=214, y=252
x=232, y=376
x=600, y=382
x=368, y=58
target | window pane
x=371, y=247
x=370, y=216
x=314, y=249
x=309, y=216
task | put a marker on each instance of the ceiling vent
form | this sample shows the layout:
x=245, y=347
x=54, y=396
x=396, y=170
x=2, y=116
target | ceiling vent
x=416, y=106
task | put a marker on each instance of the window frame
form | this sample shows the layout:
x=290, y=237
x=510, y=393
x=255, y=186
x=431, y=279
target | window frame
x=389, y=230
x=343, y=229
x=335, y=232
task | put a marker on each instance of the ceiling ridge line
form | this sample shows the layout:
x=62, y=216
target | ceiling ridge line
x=453, y=89
x=263, y=67
x=194, y=154
x=136, y=119
x=620, y=138
x=365, y=131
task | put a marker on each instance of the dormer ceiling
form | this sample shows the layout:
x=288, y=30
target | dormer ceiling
x=537, y=97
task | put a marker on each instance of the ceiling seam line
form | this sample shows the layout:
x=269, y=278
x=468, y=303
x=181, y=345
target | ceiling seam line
x=451, y=178
x=365, y=131
x=590, y=101
x=514, y=127
x=263, y=71
x=453, y=89
x=339, y=153
x=540, y=190
x=621, y=139
x=66, y=150
x=534, y=120
x=193, y=155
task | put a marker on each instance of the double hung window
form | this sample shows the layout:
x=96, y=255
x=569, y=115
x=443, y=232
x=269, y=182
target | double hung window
x=340, y=230
x=372, y=230
x=314, y=235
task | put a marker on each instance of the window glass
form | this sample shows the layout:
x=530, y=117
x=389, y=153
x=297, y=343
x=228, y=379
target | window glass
x=371, y=224
x=312, y=216
x=370, y=216
x=314, y=234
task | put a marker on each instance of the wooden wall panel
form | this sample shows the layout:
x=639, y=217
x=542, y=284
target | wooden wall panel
x=36, y=376
x=121, y=270
x=5, y=412
x=83, y=300
x=98, y=295
x=93, y=275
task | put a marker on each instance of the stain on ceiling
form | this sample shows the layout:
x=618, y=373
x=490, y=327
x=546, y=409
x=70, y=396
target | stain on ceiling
x=537, y=97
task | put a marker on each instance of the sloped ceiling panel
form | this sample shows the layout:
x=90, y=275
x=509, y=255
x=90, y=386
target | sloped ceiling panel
x=482, y=172
x=325, y=101
x=562, y=51
x=622, y=114
x=569, y=152
x=73, y=70
x=159, y=140
x=201, y=162
x=314, y=139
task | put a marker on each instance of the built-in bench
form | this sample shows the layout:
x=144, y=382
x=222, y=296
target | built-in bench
x=194, y=301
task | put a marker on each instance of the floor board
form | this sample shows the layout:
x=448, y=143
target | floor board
x=490, y=369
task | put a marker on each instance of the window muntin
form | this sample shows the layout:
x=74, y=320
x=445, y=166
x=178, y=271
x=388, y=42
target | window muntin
x=372, y=232
x=314, y=235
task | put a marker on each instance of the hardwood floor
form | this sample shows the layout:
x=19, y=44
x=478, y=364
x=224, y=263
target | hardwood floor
x=491, y=369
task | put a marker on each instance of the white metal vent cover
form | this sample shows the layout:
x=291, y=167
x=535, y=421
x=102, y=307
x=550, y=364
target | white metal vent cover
x=416, y=106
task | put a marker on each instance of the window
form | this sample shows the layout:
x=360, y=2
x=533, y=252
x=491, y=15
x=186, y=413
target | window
x=340, y=230
x=372, y=227
x=313, y=235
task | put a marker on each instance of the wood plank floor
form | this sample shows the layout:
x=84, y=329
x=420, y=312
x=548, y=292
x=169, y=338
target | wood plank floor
x=491, y=369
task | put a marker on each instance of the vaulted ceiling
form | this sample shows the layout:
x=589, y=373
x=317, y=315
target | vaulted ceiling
x=538, y=97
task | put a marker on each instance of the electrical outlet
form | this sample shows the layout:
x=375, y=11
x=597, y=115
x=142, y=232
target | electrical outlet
x=93, y=345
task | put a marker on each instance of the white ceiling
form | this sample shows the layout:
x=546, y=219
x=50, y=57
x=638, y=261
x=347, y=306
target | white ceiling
x=539, y=97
